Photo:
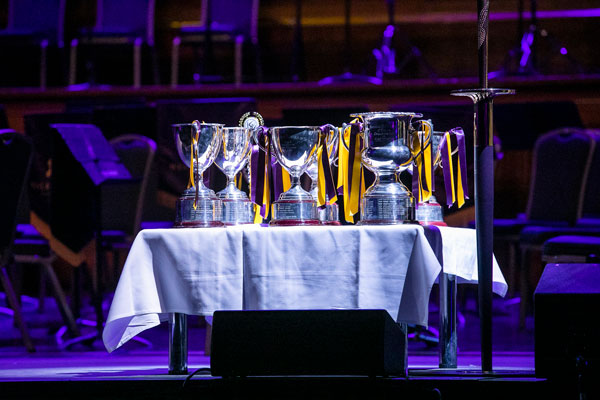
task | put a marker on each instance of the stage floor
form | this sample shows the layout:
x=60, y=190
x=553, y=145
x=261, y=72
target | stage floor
x=136, y=371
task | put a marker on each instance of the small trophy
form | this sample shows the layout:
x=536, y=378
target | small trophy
x=329, y=215
x=430, y=212
x=387, y=141
x=233, y=156
x=198, y=144
x=295, y=148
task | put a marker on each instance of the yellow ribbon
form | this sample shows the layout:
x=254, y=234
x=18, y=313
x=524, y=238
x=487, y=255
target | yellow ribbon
x=285, y=179
x=352, y=190
x=421, y=151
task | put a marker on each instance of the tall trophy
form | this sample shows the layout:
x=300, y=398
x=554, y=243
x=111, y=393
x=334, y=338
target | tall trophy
x=430, y=212
x=387, y=141
x=295, y=147
x=328, y=215
x=233, y=156
x=198, y=144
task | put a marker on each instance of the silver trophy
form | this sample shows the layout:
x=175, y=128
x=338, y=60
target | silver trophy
x=329, y=215
x=233, y=156
x=198, y=144
x=430, y=212
x=295, y=148
x=387, y=149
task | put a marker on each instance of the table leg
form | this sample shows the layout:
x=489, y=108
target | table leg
x=448, y=338
x=178, y=344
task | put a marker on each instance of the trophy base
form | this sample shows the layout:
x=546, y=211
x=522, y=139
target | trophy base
x=331, y=223
x=329, y=215
x=295, y=212
x=430, y=213
x=295, y=222
x=237, y=212
x=198, y=224
x=435, y=223
x=207, y=213
x=386, y=210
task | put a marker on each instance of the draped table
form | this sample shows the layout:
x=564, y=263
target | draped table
x=172, y=273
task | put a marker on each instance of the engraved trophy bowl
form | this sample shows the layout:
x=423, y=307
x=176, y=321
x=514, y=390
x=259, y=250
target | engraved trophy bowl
x=295, y=148
x=231, y=159
x=198, y=144
x=329, y=215
x=430, y=211
x=387, y=149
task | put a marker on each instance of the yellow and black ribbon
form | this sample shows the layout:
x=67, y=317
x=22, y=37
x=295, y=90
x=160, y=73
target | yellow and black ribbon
x=422, y=181
x=454, y=165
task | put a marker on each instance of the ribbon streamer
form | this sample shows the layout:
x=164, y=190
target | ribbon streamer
x=325, y=184
x=350, y=184
x=454, y=165
x=422, y=178
x=260, y=173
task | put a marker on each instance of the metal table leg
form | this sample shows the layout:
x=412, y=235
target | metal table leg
x=448, y=342
x=178, y=344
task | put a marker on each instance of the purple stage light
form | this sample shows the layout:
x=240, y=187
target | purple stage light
x=563, y=51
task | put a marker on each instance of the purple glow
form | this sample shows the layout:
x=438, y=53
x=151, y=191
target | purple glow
x=563, y=51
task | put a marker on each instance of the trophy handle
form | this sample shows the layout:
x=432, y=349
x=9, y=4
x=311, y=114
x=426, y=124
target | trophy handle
x=424, y=139
x=257, y=134
x=350, y=125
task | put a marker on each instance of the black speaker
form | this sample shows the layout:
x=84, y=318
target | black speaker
x=307, y=342
x=567, y=327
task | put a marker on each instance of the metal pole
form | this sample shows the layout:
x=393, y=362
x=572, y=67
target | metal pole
x=484, y=189
x=448, y=339
x=178, y=345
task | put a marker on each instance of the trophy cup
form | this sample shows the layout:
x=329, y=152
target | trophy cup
x=430, y=212
x=233, y=156
x=198, y=144
x=329, y=215
x=387, y=140
x=295, y=148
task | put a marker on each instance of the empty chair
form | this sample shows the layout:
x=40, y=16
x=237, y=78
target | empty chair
x=572, y=249
x=124, y=23
x=15, y=161
x=561, y=163
x=37, y=23
x=223, y=21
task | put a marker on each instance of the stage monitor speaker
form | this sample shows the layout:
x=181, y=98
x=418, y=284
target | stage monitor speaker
x=307, y=342
x=567, y=325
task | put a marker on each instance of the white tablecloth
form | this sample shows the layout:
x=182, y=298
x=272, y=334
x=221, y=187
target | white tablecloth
x=199, y=271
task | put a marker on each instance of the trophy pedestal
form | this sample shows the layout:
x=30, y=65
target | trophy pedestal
x=206, y=214
x=387, y=203
x=295, y=212
x=237, y=212
x=386, y=210
x=329, y=215
x=430, y=213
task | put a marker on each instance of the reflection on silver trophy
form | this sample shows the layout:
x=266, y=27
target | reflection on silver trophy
x=198, y=144
x=295, y=148
x=430, y=211
x=329, y=215
x=233, y=156
x=387, y=150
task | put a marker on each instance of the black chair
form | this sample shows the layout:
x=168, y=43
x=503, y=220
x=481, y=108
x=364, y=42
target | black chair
x=119, y=23
x=26, y=245
x=37, y=23
x=560, y=167
x=15, y=161
x=222, y=21
x=572, y=249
